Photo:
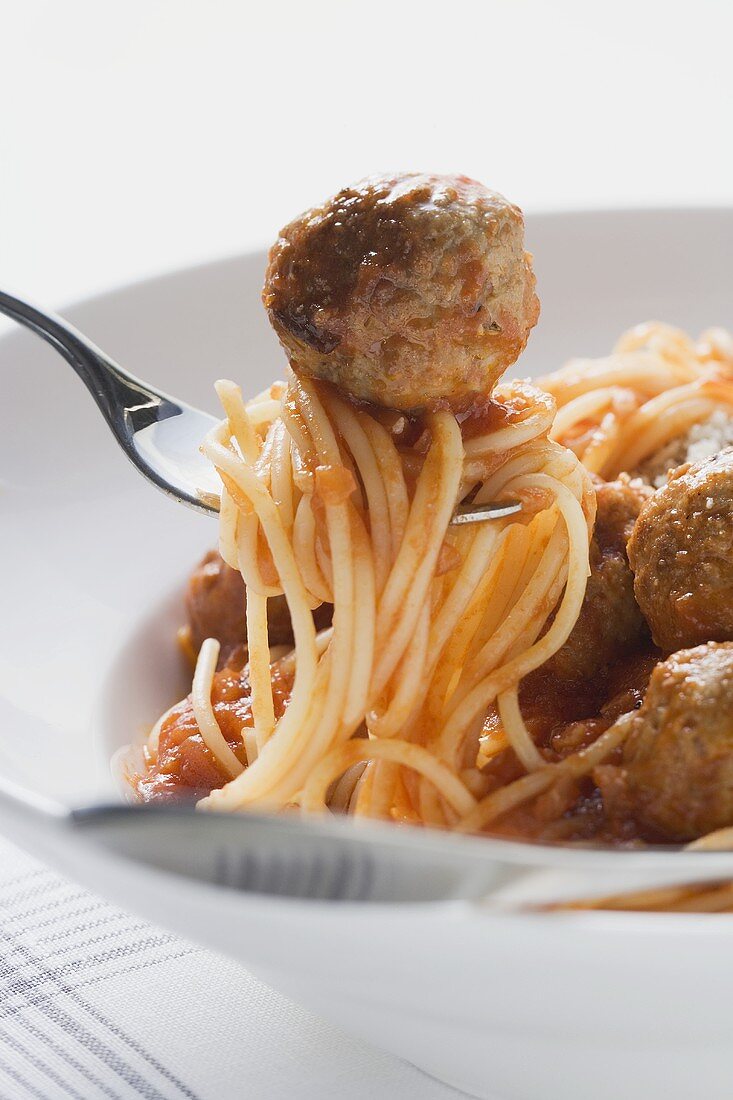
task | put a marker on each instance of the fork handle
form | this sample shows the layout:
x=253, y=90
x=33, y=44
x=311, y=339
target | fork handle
x=118, y=394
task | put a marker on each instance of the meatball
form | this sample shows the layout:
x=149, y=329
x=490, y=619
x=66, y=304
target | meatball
x=216, y=605
x=681, y=552
x=678, y=758
x=618, y=504
x=610, y=624
x=405, y=290
x=217, y=608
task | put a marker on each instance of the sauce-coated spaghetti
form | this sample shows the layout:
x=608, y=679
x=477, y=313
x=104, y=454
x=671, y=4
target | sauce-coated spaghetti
x=564, y=673
x=431, y=624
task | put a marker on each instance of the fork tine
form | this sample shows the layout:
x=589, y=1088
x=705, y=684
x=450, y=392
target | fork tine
x=479, y=513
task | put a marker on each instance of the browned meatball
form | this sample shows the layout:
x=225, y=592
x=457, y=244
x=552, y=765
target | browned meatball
x=217, y=608
x=681, y=552
x=405, y=290
x=678, y=758
x=216, y=605
x=618, y=505
x=610, y=625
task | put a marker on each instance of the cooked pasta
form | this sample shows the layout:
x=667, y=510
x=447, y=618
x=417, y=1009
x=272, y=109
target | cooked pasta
x=560, y=672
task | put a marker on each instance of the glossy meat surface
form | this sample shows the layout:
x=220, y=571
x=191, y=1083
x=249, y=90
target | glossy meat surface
x=681, y=552
x=405, y=291
x=678, y=759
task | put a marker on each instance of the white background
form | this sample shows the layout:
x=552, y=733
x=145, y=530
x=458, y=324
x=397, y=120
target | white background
x=141, y=135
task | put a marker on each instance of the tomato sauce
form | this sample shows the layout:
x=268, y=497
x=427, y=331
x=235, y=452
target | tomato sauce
x=183, y=766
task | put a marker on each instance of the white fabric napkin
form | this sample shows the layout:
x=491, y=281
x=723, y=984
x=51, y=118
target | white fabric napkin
x=96, y=1003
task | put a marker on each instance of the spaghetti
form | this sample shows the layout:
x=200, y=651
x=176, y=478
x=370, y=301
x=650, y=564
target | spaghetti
x=434, y=627
x=476, y=677
x=321, y=503
x=617, y=413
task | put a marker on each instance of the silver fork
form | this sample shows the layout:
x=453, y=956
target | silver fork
x=160, y=434
x=337, y=859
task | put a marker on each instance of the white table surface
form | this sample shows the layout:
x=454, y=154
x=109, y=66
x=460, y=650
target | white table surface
x=141, y=135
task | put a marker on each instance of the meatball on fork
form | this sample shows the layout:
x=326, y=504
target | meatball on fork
x=406, y=291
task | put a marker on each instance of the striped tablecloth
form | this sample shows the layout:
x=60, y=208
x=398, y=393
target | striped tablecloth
x=96, y=1003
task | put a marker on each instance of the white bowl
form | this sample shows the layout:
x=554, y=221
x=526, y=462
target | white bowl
x=93, y=561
